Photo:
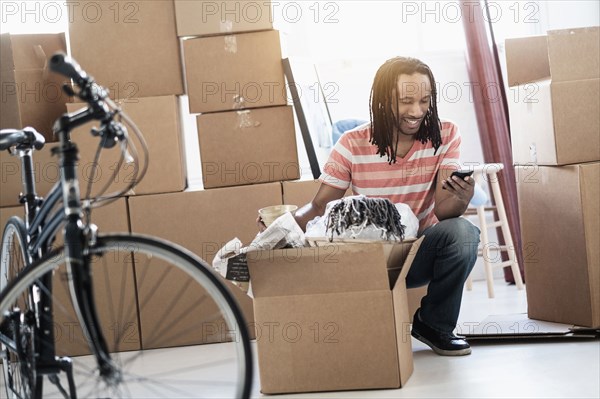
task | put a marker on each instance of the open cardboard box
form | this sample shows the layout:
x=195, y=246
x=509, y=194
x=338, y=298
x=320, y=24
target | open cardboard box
x=330, y=318
x=554, y=97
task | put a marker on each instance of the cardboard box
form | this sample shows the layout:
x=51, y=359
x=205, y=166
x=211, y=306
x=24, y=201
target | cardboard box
x=329, y=318
x=158, y=119
x=301, y=192
x=6, y=213
x=234, y=72
x=247, y=147
x=31, y=94
x=46, y=173
x=554, y=104
x=560, y=224
x=201, y=221
x=205, y=18
x=130, y=47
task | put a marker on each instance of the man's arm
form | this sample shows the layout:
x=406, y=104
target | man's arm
x=452, y=195
x=317, y=206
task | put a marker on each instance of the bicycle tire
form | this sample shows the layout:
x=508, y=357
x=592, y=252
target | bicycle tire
x=124, y=280
x=18, y=372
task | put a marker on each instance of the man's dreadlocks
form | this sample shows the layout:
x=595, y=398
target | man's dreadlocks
x=383, y=104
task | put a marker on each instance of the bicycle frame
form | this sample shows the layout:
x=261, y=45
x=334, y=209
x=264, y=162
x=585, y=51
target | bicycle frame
x=42, y=227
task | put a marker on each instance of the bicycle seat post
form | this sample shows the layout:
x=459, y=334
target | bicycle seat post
x=29, y=195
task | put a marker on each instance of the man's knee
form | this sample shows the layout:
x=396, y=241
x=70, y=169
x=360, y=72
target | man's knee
x=461, y=231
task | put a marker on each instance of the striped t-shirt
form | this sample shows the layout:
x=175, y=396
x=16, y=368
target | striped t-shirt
x=411, y=180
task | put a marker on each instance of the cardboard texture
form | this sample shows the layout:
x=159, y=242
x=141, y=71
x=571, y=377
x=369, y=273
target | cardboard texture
x=201, y=221
x=6, y=213
x=560, y=224
x=233, y=72
x=130, y=47
x=247, y=147
x=301, y=192
x=206, y=18
x=158, y=119
x=562, y=69
x=31, y=94
x=46, y=174
x=328, y=318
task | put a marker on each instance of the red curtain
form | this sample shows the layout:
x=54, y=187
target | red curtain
x=492, y=112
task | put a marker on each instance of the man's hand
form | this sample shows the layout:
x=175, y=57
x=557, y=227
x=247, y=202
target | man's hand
x=461, y=189
x=452, y=194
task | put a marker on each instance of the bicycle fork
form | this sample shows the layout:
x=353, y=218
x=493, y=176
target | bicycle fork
x=82, y=294
x=77, y=241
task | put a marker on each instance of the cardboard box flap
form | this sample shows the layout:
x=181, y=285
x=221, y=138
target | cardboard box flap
x=574, y=54
x=563, y=55
x=318, y=270
x=400, y=256
x=534, y=49
x=29, y=51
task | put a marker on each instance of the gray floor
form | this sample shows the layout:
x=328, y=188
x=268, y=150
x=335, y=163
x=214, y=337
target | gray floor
x=532, y=369
x=548, y=369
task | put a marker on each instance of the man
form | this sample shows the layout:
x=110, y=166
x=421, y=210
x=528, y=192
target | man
x=407, y=155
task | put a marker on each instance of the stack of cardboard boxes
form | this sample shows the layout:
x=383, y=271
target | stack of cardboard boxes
x=555, y=126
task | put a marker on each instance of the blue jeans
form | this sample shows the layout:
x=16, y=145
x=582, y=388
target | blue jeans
x=444, y=260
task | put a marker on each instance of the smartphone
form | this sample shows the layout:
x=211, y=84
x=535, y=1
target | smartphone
x=462, y=173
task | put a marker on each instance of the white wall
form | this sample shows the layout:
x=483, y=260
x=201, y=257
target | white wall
x=348, y=40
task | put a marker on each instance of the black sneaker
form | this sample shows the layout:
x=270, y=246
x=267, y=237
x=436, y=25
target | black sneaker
x=445, y=344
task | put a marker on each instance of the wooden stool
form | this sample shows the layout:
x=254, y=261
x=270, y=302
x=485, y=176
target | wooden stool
x=482, y=174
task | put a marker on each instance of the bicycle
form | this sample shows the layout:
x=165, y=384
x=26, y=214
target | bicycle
x=93, y=283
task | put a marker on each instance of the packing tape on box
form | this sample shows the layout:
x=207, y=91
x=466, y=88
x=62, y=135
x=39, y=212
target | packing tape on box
x=245, y=120
x=226, y=26
x=238, y=102
x=230, y=44
x=41, y=56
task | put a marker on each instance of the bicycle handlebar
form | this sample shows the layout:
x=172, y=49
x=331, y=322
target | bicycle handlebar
x=27, y=137
x=66, y=66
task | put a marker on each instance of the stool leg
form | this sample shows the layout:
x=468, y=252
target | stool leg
x=506, y=231
x=489, y=275
x=469, y=282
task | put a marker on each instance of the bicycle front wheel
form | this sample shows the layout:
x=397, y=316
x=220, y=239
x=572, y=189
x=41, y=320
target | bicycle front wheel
x=159, y=308
x=18, y=368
